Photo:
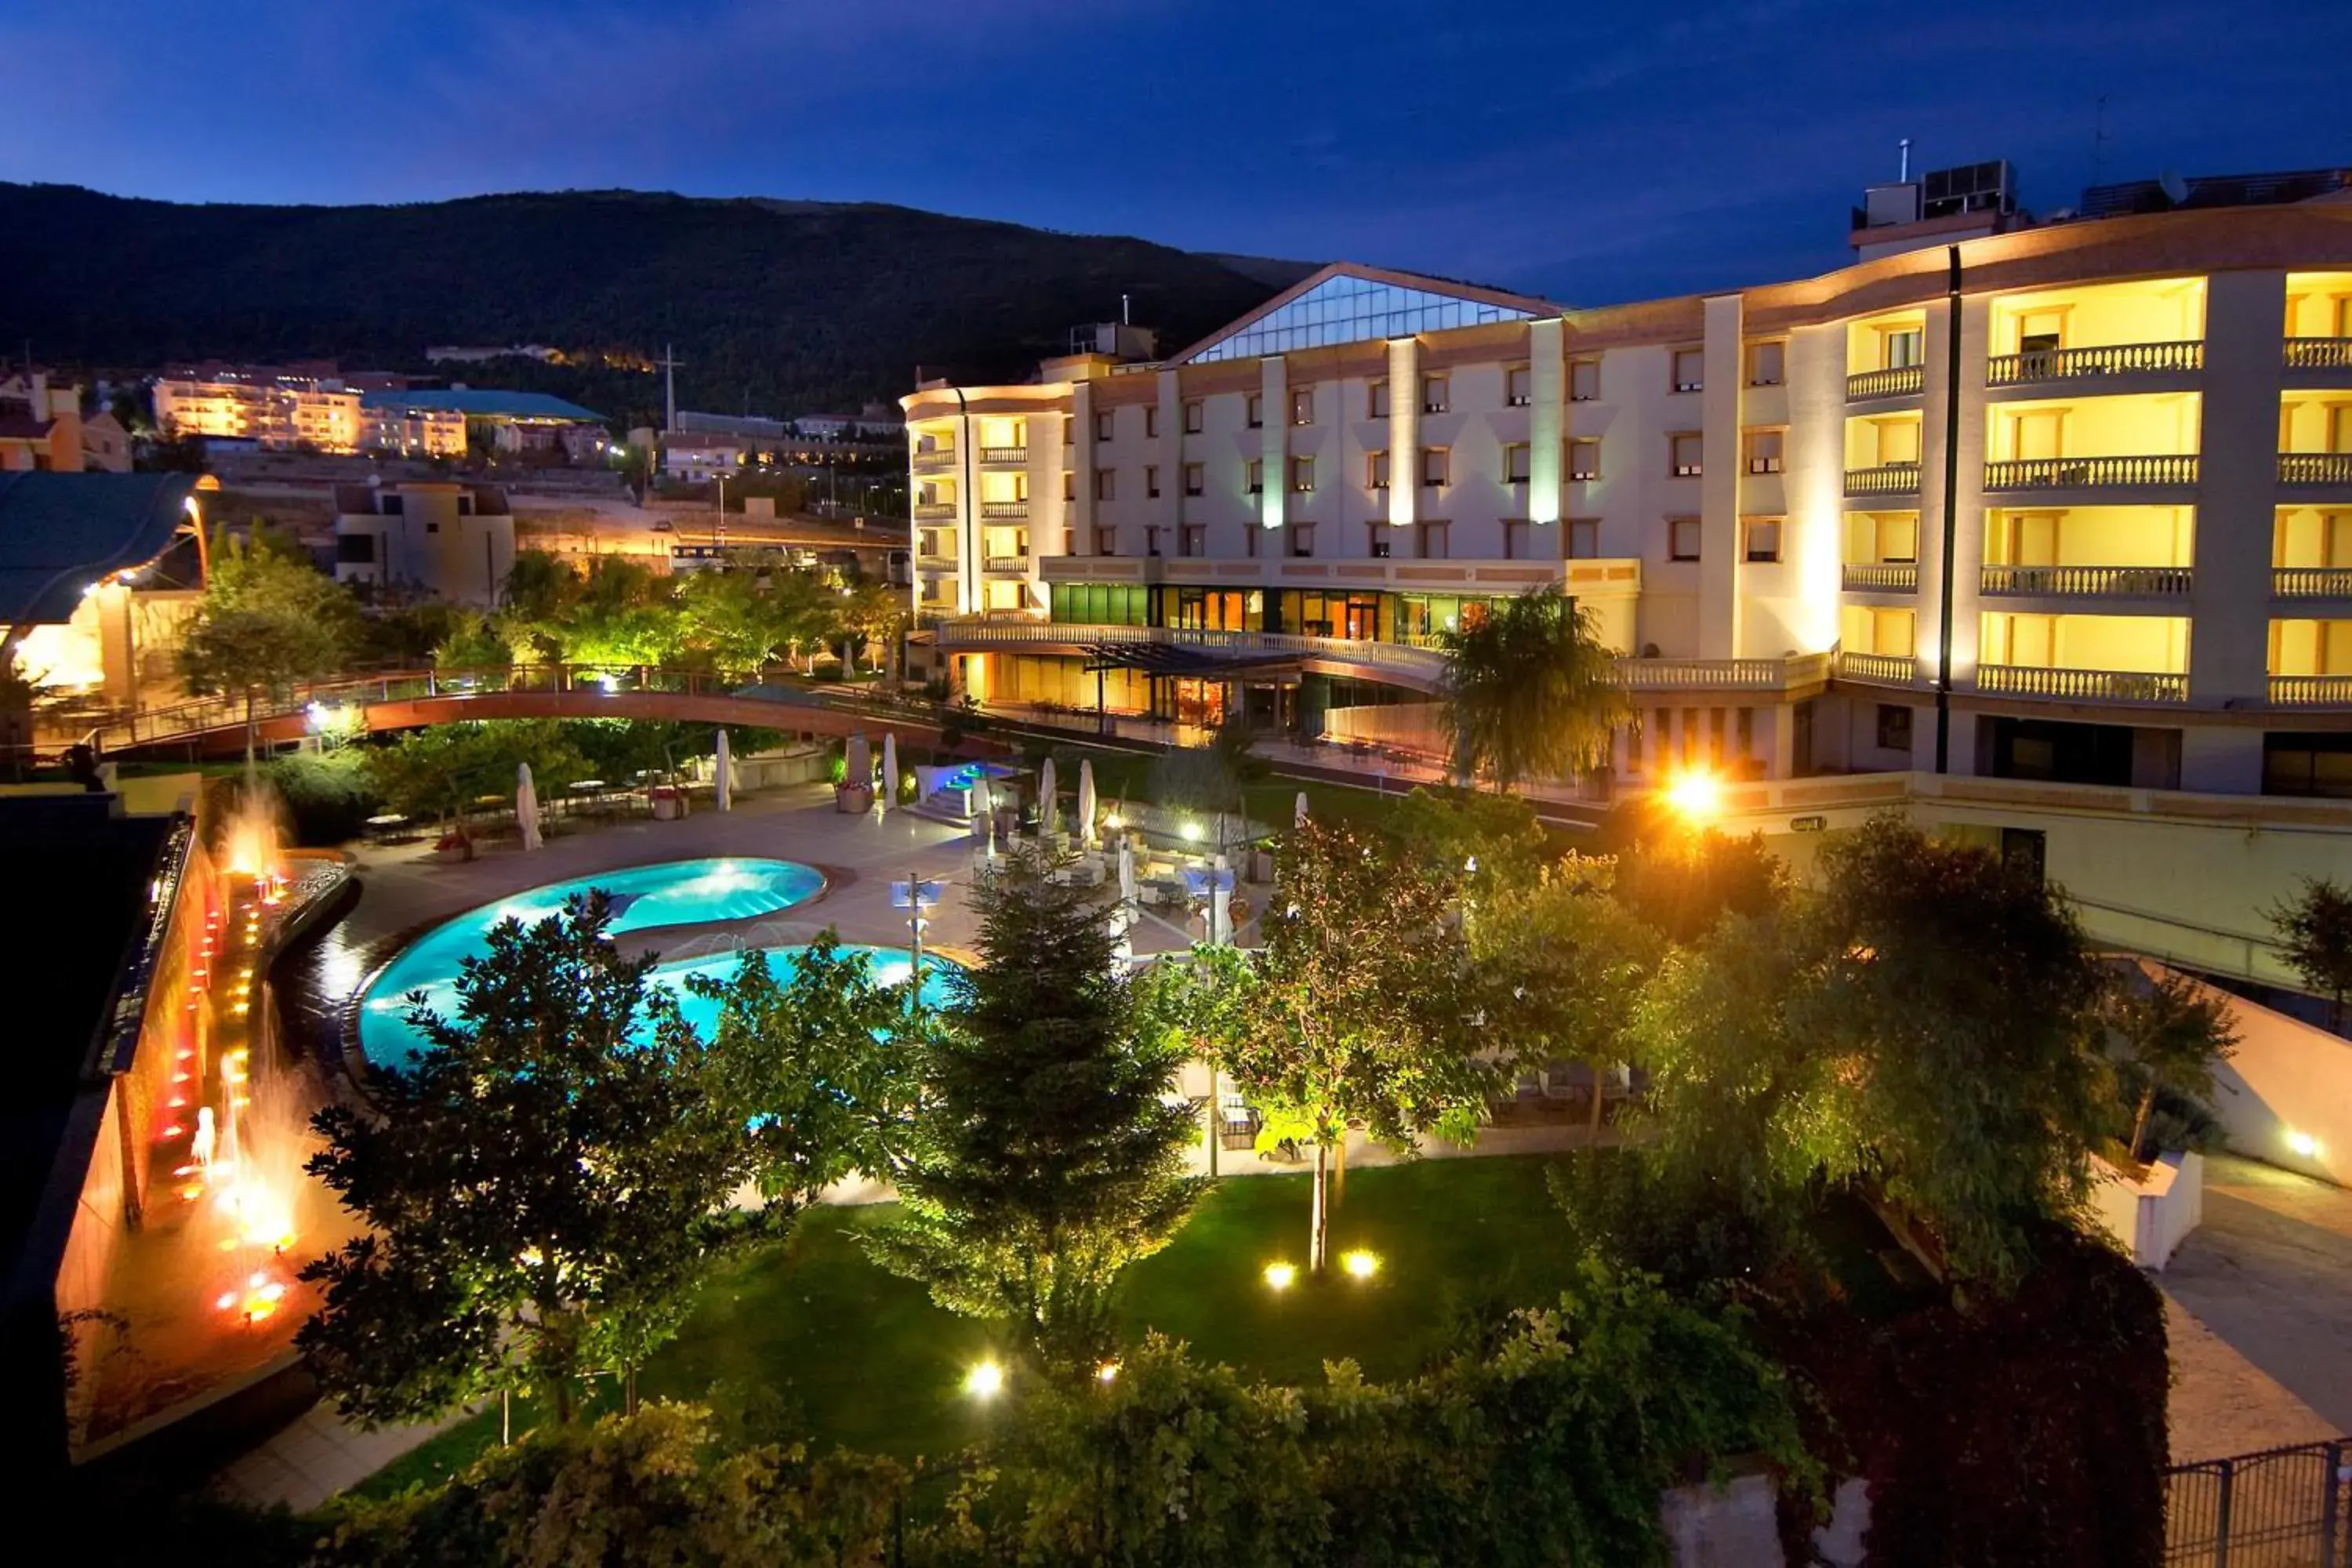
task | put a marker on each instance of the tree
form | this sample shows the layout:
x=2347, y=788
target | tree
x=2314, y=930
x=872, y=611
x=820, y=1065
x=540, y=1188
x=442, y=769
x=2166, y=1034
x=1530, y=692
x=1044, y=1157
x=1363, y=1008
x=1682, y=879
x=267, y=621
x=1209, y=779
x=474, y=642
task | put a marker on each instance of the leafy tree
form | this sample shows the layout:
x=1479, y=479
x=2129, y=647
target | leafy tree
x=741, y=616
x=1494, y=838
x=2166, y=1034
x=1362, y=1008
x=821, y=1066
x=1530, y=692
x=539, y=1188
x=441, y=771
x=473, y=642
x=1682, y=879
x=1210, y=780
x=2314, y=930
x=266, y=622
x=1043, y=1157
x=872, y=611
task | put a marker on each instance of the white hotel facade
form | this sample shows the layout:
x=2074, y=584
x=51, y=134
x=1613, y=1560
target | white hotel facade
x=2135, y=434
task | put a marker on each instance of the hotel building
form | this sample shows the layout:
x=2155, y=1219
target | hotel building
x=2069, y=502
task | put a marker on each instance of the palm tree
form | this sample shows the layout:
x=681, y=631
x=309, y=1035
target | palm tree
x=1530, y=692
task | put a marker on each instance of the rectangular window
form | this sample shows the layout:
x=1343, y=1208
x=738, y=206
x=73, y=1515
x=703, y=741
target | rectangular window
x=1584, y=457
x=1255, y=408
x=1249, y=541
x=1069, y=542
x=1151, y=482
x=1894, y=727
x=1302, y=538
x=1069, y=485
x=1195, y=539
x=1106, y=484
x=1376, y=470
x=1103, y=425
x=1764, y=450
x=1436, y=394
x=1767, y=363
x=1302, y=474
x=1584, y=381
x=1376, y=541
x=1150, y=540
x=1690, y=370
x=1195, y=478
x=1376, y=400
x=1686, y=451
x=1681, y=539
x=1302, y=407
x=1254, y=476
x=1760, y=538
x=1436, y=466
x=1519, y=386
x=1583, y=538
x=1905, y=349
x=1195, y=417
x=1150, y=420
x=1105, y=540
x=1516, y=539
x=1432, y=540
x=1515, y=464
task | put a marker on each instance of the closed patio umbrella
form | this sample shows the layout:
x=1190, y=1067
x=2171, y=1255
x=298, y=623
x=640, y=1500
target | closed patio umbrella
x=1298, y=812
x=723, y=777
x=1045, y=798
x=889, y=795
x=983, y=826
x=1087, y=801
x=527, y=807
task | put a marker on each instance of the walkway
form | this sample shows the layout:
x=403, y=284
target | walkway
x=2262, y=1290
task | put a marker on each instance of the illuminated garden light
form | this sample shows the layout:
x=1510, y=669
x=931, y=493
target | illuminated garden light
x=1696, y=797
x=1360, y=1264
x=1191, y=831
x=1106, y=1373
x=1281, y=1276
x=985, y=1381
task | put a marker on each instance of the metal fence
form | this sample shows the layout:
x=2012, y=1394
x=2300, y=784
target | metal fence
x=2282, y=1508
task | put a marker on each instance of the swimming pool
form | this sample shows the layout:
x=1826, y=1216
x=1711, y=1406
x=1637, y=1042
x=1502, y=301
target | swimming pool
x=674, y=893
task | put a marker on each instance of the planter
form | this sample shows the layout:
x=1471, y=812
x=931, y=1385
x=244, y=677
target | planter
x=853, y=799
x=668, y=802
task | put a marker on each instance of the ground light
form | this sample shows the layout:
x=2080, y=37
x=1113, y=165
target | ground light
x=1360, y=1264
x=1696, y=797
x=1106, y=1373
x=1280, y=1276
x=985, y=1381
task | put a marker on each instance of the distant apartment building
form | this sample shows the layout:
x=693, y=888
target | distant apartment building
x=276, y=408
x=437, y=539
x=42, y=428
x=694, y=458
x=876, y=423
x=446, y=423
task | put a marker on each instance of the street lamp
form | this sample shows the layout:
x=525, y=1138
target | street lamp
x=1696, y=797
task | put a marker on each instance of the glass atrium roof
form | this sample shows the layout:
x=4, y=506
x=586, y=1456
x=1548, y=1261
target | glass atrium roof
x=1350, y=310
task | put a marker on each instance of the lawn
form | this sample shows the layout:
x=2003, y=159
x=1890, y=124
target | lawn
x=809, y=1337
x=1127, y=775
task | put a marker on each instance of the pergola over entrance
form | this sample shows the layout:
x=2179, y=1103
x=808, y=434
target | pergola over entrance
x=1181, y=664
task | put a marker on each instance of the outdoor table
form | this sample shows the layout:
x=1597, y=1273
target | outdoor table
x=383, y=826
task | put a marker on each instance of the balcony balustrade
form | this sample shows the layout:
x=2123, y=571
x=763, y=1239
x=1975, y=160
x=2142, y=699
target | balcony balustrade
x=1880, y=576
x=2115, y=581
x=934, y=457
x=2311, y=691
x=1004, y=454
x=1886, y=479
x=2082, y=685
x=2318, y=353
x=2114, y=358
x=1003, y=510
x=935, y=511
x=2091, y=473
x=2315, y=468
x=2312, y=582
x=1004, y=563
x=1878, y=668
x=1901, y=382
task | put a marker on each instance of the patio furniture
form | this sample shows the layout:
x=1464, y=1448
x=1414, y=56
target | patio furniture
x=380, y=828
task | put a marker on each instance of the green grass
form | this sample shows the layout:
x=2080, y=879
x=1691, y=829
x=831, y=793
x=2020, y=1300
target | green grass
x=1127, y=775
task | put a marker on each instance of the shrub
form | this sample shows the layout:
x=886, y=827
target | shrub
x=328, y=795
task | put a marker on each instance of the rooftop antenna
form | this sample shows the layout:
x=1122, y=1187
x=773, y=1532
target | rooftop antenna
x=1122, y=310
x=2099, y=141
x=669, y=363
x=1906, y=175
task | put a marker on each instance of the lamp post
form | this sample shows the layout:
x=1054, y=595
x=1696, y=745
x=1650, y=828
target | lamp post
x=914, y=895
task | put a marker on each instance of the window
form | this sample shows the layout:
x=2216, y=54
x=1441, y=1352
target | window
x=1686, y=451
x=1103, y=425
x=1515, y=462
x=1249, y=542
x=1195, y=540
x=1681, y=539
x=1690, y=370
x=355, y=548
x=1585, y=458
x=1106, y=484
x=1069, y=485
x=1150, y=540
x=432, y=527
x=1764, y=450
x=1515, y=539
x=1760, y=539
x=1105, y=540
x=1195, y=478
x=1905, y=349
x=1894, y=727
x=1767, y=363
x=1195, y=417
x=1436, y=466
x=1302, y=538
x=1302, y=474
x=1518, y=386
x=1150, y=420
x=1069, y=542
x=1376, y=541
x=1256, y=408
x=1376, y=470
x=1432, y=540
x=1254, y=476
x=1376, y=400
x=1583, y=538
x=1436, y=394
x=1151, y=482
x=1583, y=380
x=1302, y=407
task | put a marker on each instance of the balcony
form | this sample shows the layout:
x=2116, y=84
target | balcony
x=2111, y=581
x=1004, y=563
x=2311, y=691
x=2090, y=473
x=2318, y=353
x=2082, y=685
x=1878, y=668
x=1003, y=510
x=2311, y=582
x=935, y=511
x=2314, y=469
x=1418, y=667
x=1886, y=479
x=1792, y=673
x=934, y=457
x=1880, y=577
x=2038, y=365
x=1904, y=381
x=1004, y=455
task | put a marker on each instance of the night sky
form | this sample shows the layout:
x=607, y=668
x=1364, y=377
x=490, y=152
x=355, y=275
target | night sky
x=1589, y=152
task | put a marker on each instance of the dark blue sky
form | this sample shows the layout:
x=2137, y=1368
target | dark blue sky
x=1591, y=152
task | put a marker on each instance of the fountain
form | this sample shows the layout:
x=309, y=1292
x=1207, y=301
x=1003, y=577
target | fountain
x=253, y=842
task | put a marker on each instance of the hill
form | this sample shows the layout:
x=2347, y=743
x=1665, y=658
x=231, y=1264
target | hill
x=792, y=307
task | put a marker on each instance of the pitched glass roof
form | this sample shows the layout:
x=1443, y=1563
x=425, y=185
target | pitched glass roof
x=1344, y=308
